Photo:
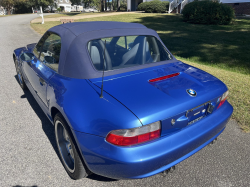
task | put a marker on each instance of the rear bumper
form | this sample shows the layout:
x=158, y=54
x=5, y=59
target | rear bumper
x=154, y=157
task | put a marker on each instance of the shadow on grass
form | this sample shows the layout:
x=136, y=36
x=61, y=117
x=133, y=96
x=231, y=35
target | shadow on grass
x=71, y=14
x=25, y=186
x=49, y=130
x=225, y=46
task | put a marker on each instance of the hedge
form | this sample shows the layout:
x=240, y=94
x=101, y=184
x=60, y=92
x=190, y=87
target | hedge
x=155, y=6
x=208, y=12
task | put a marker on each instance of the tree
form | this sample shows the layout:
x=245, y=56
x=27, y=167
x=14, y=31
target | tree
x=118, y=5
x=43, y=3
x=97, y=4
x=9, y=4
x=76, y=2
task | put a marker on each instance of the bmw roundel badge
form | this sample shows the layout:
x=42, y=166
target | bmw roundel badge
x=191, y=92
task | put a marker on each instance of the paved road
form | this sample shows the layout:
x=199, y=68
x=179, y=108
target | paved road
x=28, y=155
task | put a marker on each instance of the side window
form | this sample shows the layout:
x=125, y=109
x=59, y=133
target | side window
x=50, y=52
x=37, y=49
x=122, y=42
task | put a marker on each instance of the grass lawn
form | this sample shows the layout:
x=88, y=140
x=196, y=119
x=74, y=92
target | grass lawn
x=219, y=50
x=42, y=28
x=239, y=91
x=71, y=14
x=224, y=46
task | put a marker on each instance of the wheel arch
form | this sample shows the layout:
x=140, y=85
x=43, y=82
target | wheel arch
x=53, y=113
x=14, y=57
x=54, y=110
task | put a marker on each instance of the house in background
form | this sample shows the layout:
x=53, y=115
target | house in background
x=3, y=11
x=241, y=7
x=65, y=5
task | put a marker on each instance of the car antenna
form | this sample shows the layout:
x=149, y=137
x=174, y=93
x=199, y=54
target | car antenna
x=101, y=96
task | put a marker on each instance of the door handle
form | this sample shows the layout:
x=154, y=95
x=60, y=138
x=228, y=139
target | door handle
x=42, y=82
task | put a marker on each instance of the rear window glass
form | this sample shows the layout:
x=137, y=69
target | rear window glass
x=126, y=51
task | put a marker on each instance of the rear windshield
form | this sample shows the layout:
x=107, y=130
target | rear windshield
x=126, y=51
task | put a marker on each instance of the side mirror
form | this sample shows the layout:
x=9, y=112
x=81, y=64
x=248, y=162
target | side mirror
x=27, y=57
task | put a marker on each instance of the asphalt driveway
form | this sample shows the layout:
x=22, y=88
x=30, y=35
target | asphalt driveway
x=28, y=155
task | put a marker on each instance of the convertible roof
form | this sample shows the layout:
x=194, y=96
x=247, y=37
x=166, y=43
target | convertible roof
x=83, y=27
x=75, y=61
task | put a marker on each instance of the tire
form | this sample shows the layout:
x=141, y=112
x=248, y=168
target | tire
x=20, y=76
x=69, y=156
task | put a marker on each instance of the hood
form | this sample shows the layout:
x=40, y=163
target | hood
x=161, y=100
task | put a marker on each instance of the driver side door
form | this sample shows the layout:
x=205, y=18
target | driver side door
x=44, y=65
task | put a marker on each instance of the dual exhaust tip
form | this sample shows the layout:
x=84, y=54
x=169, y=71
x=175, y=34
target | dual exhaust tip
x=212, y=142
x=171, y=170
x=167, y=171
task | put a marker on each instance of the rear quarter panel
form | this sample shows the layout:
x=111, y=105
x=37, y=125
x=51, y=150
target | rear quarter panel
x=79, y=102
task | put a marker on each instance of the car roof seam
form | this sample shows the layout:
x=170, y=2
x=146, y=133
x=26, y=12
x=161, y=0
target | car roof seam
x=110, y=30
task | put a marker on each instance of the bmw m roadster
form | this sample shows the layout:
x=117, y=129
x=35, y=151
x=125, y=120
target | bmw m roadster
x=122, y=105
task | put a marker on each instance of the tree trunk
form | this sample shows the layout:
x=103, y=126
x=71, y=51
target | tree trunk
x=105, y=5
x=118, y=5
x=102, y=5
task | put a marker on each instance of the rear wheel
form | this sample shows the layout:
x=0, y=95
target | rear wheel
x=67, y=149
x=20, y=76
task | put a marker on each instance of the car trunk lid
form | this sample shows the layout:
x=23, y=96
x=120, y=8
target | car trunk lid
x=165, y=100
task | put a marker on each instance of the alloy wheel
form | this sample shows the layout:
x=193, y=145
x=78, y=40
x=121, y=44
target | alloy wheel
x=65, y=146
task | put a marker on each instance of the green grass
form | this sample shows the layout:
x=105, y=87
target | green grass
x=42, y=28
x=71, y=14
x=223, y=46
x=239, y=92
x=219, y=50
x=220, y=46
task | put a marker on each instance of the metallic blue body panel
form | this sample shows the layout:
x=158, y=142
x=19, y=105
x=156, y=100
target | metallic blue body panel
x=153, y=157
x=163, y=99
x=131, y=101
x=85, y=111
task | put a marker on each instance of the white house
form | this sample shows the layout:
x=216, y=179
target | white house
x=240, y=7
x=65, y=5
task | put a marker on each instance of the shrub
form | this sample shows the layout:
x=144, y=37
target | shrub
x=22, y=7
x=166, y=4
x=59, y=9
x=208, y=12
x=142, y=6
x=123, y=6
x=155, y=6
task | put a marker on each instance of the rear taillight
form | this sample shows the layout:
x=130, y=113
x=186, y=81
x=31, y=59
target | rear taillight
x=223, y=99
x=164, y=77
x=127, y=137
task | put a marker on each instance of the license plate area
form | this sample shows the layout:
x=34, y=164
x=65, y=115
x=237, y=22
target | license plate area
x=197, y=113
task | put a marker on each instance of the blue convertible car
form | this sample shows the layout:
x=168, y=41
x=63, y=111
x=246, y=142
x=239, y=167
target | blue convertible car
x=122, y=105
